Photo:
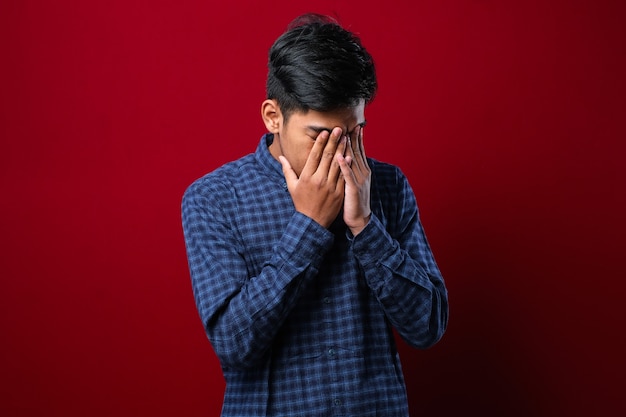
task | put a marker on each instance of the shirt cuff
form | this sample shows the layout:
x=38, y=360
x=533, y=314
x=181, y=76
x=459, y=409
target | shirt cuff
x=373, y=243
x=305, y=241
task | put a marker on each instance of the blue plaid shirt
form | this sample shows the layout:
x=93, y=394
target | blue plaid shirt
x=301, y=316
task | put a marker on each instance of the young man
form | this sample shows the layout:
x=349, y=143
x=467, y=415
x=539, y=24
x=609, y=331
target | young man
x=306, y=254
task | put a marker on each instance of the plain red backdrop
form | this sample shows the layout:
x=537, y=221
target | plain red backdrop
x=507, y=117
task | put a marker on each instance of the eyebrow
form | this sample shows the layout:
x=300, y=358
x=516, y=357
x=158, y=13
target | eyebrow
x=320, y=129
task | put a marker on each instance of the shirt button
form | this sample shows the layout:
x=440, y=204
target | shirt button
x=337, y=402
x=326, y=300
x=331, y=352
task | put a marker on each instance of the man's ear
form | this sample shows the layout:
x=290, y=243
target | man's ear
x=272, y=117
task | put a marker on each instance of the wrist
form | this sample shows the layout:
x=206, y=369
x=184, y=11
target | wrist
x=356, y=229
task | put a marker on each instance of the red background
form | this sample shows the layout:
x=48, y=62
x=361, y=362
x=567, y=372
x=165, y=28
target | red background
x=508, y=118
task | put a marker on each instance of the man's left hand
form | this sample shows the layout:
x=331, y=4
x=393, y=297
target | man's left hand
x=357, y=175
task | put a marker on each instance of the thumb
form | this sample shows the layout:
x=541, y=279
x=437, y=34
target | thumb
x=288, y=172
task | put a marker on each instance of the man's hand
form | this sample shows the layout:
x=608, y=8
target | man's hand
x=319, y=191
x=357, y=175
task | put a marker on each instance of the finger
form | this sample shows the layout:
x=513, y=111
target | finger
x=349, y=154
x=335, y=170
x=361, y=144
x=328, y=156
x=346, y=170
x=313, y=160
x=352, y=152
x=359, y=162
x=288, y=172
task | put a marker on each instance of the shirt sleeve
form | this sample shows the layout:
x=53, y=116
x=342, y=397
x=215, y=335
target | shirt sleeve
x=242, y=313
x=400, y=269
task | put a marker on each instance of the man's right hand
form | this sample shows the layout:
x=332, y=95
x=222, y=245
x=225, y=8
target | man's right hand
x=319, y=191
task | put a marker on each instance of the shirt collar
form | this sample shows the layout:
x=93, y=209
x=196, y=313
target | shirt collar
x=265, y=158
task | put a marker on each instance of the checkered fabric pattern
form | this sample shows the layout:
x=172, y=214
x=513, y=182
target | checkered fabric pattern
x=301, y=316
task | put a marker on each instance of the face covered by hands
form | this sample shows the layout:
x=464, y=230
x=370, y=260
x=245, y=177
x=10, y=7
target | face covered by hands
x=324, y=163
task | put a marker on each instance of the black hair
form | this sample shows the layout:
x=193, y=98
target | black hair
x=318, y=65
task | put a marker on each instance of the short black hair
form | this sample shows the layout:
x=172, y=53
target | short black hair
x=318, y=65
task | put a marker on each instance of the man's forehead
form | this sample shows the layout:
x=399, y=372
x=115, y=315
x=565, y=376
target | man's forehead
x=349, y=117
x=346, y=129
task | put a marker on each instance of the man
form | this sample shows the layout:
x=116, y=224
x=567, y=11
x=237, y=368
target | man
x=305, y=255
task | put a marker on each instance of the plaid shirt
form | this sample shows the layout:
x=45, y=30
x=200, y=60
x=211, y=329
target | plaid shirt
x=301, y=316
